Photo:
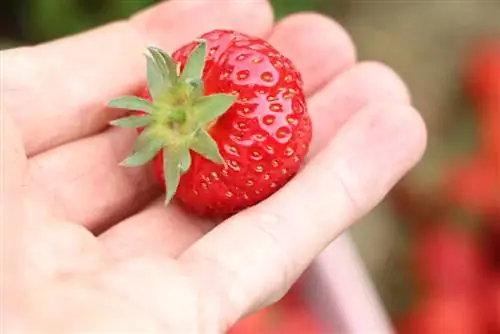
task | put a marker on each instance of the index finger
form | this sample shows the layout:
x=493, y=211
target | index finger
x=56, y=91
x=254, y=257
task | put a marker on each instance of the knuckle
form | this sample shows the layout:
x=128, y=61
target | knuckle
x=270, y=227
x=340, y=187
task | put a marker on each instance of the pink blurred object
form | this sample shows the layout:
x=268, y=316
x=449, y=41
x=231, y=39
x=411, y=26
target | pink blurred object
x=341, y=293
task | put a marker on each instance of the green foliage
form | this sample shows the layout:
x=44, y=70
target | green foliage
x=48, y=19
x=285, y=7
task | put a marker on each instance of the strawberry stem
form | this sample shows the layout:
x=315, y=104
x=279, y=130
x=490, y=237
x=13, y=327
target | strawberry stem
x=177, y=115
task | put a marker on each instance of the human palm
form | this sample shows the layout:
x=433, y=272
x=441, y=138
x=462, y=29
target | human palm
x=89, y=245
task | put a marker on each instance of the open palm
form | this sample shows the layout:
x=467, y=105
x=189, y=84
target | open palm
x=90, y=246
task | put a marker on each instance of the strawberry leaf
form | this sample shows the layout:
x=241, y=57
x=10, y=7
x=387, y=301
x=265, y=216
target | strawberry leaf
x=198, y=88
x=139, y=158
x=172, y=170
x=146, y=148
x=205, y=145
x=185, y=161
x=209, y=108
x=132, y=121
x=132, y=103
x=157, y=83
x=195, y=63
x=166, y=125
x=166, y=65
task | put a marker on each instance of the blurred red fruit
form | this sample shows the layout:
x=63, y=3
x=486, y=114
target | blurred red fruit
x=495, y=305
x=443, y=315
x=295, y=297
x=290, y=315
x=447, y=261
x=490, y=132
x=490, y=304
x=276, y=320
x=491, y=243
x=482, y=73
x=474, y=185
x=262, y=321
x=300, y=320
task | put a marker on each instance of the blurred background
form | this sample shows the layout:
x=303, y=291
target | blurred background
x=433, y=246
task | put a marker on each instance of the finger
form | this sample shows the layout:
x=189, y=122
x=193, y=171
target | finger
x=87, y=171
x=74, y=173
x=12, y=168
x=317, y=45
x=333, y=106
x=254, y=257
x=157, y=230
x=13, y=159
x=326, y=42
x=87, y=70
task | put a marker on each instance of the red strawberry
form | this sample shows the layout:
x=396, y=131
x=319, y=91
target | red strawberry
x=482, y=74
x=443, y=314
x=299, y=320
x=489, y=126
x=474, y=185
x=262, y=322
x=228, y=113
x=492, y=305
x=447, y=260
x=280, y=318
x=491, y=242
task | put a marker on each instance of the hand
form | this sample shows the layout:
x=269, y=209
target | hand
x=90, y=246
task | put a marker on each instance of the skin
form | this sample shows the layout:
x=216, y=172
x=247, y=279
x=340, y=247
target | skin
x=88, y=245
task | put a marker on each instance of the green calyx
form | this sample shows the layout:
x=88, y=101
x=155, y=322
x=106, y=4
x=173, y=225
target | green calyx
x=177, y=119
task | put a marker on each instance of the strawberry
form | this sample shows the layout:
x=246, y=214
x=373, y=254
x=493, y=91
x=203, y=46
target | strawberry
x=300, y=320
x=474, y=185
x=262, y=322
x=290, y=315
x=491, y=241
x=224, y=120
x=489, y=126
x=447, y=260
x=492, y=305
x=443, y=314
x=482, y=73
